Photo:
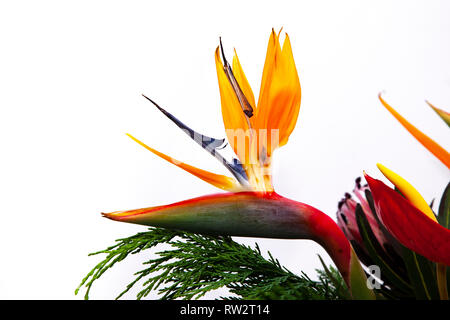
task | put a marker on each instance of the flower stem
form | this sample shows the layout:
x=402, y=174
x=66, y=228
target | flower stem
x=441, y=274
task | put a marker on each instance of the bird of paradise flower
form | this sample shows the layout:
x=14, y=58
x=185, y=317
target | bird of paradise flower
x=251, y=207
x=406, y=215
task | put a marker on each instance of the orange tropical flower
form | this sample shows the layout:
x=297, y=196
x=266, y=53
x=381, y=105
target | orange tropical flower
x=419, y=232
x=254, y=130
x=408, y=217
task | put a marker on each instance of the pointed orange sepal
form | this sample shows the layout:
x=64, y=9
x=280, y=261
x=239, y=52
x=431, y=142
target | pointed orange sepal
x=217, y=180
x=426, y=141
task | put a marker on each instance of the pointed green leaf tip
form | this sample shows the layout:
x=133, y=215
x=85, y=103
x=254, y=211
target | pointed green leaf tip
x=441, y=113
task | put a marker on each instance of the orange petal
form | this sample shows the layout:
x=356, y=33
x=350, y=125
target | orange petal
x=236, y=123
x=217, y=180
x=279, y=103
x=242, y=81
x=426, y=141
x=273, y=49
x=289, y=91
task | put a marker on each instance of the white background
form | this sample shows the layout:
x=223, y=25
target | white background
x=71, y=78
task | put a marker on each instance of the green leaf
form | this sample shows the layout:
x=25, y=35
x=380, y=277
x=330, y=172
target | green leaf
x=197, y=264
x=379, y=256
x=448, y=278
x=441, y=113
x=337, y=280
x=444, y=208
x=421, y=272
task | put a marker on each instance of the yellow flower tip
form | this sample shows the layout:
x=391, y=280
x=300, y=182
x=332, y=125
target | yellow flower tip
x=136, y=140
x=110, y=215
x=127, y=214
x=407, y=190
x=114, y=215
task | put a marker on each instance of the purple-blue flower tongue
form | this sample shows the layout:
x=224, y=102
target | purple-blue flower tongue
x=212, y=145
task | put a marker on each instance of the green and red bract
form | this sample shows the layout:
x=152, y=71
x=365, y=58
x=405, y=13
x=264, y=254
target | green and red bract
x=409, y=225
x=254, y=214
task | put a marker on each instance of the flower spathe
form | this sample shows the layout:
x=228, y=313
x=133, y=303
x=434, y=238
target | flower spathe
x=254, y=131
x=411, y=226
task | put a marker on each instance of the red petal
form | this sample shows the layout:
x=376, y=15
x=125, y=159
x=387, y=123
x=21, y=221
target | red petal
x=409, y=225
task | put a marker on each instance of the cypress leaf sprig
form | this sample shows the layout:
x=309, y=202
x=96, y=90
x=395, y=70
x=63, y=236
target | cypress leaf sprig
x=197, y=264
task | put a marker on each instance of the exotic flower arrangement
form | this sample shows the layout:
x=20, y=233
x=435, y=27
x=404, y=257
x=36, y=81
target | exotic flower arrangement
x=398, y=231
x=252, y=208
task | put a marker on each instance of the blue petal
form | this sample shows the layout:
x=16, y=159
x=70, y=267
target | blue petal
x=212, y=145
